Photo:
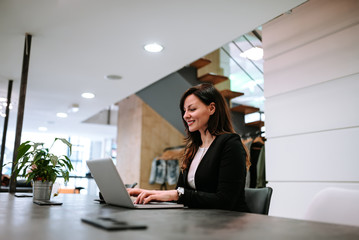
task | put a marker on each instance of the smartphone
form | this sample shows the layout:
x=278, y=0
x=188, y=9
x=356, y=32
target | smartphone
x=112, y=223
x=44, y=202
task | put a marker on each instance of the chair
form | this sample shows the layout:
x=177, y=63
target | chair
x=335, y=205
x=258, y=199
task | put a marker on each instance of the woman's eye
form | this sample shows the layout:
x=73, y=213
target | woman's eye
x=189, y=110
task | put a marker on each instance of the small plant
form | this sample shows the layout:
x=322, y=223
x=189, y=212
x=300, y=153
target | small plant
x=37, y=163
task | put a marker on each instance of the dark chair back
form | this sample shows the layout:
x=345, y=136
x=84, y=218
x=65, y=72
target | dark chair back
x=258, y=199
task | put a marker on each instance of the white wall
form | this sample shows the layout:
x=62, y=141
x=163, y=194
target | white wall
x=311, y=77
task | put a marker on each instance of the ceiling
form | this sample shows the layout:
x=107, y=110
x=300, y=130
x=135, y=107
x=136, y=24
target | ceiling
x=75, y=43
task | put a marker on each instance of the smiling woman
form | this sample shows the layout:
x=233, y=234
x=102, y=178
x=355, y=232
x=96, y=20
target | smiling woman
x=215, y=161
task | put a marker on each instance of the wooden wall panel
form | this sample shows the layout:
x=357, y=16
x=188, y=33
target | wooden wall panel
x=157, y=134
x=129, y=138
x=142, y=135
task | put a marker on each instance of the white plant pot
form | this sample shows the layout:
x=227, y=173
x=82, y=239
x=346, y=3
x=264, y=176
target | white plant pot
x=41, y=190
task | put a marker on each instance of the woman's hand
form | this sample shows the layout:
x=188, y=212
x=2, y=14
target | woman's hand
x=146, y=196
x=134, y=192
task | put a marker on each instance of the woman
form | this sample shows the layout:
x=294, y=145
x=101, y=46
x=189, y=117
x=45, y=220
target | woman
x=214, y=164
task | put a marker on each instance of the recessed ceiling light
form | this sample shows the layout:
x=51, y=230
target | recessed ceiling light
x=88, y=95
x=255, y=53
x=42, y=129
x=61, y=115
x=153, y=47
x=113, y=77
x=74, y=108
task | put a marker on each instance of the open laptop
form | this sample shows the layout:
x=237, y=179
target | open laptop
x=112, y=188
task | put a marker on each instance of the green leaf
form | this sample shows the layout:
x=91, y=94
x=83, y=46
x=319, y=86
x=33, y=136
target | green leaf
x=37, y=158
x=61, y=164
x=65, y=142
x=24, y=171
x=22, y=149
x=66, y=175
x=68, y=163
x=30, y=176
x=21, y=165
x=25, y=144
x=54, y=160
x=36, y=145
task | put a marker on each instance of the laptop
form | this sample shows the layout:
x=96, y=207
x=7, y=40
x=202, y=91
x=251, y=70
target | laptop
x=112, y=188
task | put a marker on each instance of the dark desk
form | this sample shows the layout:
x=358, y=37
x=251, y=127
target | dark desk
x=21, y=219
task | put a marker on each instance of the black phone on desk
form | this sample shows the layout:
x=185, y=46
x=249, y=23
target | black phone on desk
x=46, y=202
x=111, y=224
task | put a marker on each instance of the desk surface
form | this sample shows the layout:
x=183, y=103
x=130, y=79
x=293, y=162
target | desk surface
x=21, y=219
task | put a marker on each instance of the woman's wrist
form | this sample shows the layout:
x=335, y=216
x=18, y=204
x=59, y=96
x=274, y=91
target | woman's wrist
x=175, y=195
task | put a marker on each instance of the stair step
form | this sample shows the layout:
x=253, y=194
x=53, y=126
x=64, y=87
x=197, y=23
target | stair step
x=200, y=63
x=230, y=94
x=258, y=124
x=245, y=109
x=212, y=78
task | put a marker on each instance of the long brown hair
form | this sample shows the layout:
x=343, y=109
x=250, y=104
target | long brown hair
x=218, y=123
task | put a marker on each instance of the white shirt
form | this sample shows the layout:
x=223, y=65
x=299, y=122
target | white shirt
x=194, y=165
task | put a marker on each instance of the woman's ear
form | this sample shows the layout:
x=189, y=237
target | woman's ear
x=212, y=108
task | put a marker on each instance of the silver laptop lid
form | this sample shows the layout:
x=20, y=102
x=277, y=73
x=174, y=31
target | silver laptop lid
x=109, y=182
x=112, y=188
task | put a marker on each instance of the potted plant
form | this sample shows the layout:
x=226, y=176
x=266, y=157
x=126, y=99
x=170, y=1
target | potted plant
x=38, y=165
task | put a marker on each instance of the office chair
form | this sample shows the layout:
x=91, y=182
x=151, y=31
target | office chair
x=335, y=205
x=258, y=199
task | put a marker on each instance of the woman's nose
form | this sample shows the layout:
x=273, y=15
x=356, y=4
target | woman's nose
x=185, y=115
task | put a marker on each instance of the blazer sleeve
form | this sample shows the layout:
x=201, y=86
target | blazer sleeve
x=222, y=182
x=180, y=181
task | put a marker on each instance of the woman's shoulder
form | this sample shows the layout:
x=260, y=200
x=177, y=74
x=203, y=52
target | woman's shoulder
x=228, y=141
x=225, y=137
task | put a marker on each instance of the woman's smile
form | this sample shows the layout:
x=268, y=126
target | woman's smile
x=190, y=122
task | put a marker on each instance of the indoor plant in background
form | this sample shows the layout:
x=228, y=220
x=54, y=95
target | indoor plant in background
x=38, y=165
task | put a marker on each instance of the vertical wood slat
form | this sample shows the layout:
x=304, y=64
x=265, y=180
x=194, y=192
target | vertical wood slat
x=21, y=106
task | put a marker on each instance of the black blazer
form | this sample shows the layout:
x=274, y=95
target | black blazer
x=220, y=177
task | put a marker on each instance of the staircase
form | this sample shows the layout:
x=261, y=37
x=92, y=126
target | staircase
x=216, y=79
